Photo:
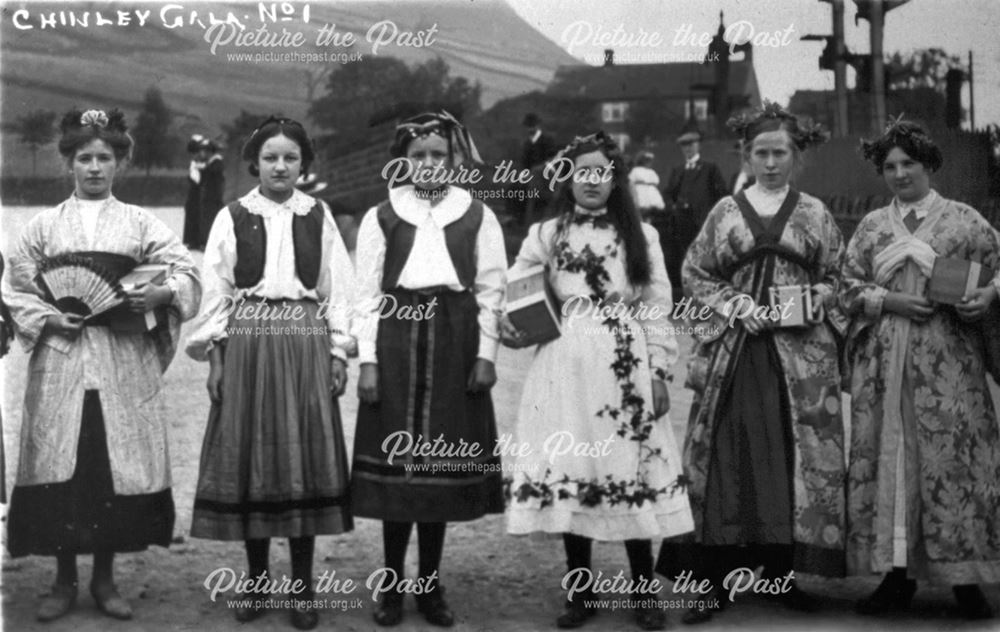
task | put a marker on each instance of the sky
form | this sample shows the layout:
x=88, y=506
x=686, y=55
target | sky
x=957, y=26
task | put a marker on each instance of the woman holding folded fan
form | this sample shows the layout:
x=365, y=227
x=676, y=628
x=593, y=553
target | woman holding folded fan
x=273, y=327
x=431, y=270
x=923, y=494
x=764, y=453
x=94, y=474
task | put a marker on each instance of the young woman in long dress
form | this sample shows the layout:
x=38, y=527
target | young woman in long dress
x=274, y=330
x=94, y=475
x=603, y=463
x=923, y=495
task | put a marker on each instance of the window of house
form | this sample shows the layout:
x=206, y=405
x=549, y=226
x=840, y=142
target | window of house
x=622, y=140
x=614, y=112
x=700, y=109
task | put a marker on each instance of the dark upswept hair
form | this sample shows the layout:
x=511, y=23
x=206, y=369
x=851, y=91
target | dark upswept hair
x=771, y=118
x=79, y=128
x=622, y=212
x=278, y=126
x=909, y=137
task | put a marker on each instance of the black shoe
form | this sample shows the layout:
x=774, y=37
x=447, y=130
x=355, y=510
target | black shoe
x=246, y=614
x=304, y=618
x=711, y=603
x=390, y=610
x=434, y=608
x=971, y=602
x=798, y=599
x=651, y=618
x=894, y=593
x=574, y=614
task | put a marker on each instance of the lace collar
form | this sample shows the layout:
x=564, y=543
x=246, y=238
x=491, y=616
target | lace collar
x=256, y=203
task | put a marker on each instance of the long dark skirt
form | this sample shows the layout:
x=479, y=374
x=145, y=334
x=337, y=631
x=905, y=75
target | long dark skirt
x=424, y=367
x=748, y=516
x=273, y=462
x=193, y=235
x=83, y=514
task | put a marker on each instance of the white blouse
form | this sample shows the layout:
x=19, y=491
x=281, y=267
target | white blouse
x=766, y=201
x=335, y=284
x=429, y=264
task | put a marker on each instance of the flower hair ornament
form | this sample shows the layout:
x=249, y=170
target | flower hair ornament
x=599, y=141
x=442, y=124
x=902, y=133
x=771, y=116
x=113, y=121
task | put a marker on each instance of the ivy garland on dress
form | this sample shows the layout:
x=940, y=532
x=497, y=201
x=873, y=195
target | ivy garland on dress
x=635, y=422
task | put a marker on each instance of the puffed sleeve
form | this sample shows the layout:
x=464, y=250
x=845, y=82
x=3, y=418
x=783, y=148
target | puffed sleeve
x=219, y=283
x=370, y=259
x=491, y=283
x=336, y=288
x=534, y=249
x=657, y=304
x=24, y=297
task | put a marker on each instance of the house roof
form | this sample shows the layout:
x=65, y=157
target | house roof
x=627, y=82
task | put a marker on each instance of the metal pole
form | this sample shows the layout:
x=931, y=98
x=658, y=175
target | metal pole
x=841, y=122
x=972, y=97
x=878, y=68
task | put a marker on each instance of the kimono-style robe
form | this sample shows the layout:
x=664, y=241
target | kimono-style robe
x=921, y=386
x=715, y=271
x=125, y=368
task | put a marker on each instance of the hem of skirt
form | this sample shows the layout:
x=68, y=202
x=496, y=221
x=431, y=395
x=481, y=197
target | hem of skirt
x=402, y=502
x=234, y=528
x=53, y=551
x=943, y=573
x=609, y=528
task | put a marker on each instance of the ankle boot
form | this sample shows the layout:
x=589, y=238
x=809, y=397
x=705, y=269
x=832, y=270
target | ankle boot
x=894, y=593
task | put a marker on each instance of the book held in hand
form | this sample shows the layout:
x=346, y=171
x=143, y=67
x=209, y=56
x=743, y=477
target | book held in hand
x=155, y=273
x=794, y=305
x=124, y=321
x=953, y=279
x=531, y=306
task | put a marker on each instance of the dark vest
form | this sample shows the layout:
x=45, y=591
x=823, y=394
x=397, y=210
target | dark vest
x=459, y=237
x=251, y=245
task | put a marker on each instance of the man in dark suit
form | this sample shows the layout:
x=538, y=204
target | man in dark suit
x=538, y=149
x=691, y=192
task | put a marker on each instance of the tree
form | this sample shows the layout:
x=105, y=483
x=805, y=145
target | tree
x=151, y=132
x=384, y=85
x=36, y=129
x=923, y=68
x=240, y=129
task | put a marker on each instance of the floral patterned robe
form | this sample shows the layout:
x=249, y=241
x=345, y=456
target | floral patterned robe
x=949, y=428
x=715, y=272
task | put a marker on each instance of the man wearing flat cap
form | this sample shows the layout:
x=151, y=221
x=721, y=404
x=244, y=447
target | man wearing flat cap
x=691, y=192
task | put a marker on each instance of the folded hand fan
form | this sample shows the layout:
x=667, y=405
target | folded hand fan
x=79, y=285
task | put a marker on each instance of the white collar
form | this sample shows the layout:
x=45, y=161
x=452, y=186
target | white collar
x=758, y=189
x=579, y=210
x=921, y=207
x=693, y=160
x=256, y=203
x=536, y=135
x=415, y=209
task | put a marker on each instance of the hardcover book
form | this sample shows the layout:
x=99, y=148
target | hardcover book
x=794, y=303
x=531, y=306
x=952, y=279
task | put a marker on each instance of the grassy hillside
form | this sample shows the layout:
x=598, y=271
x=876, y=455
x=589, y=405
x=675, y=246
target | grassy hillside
x=56, y=68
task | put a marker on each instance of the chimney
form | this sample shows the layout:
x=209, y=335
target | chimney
x=609, y=57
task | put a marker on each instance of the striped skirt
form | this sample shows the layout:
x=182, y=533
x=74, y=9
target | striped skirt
x=273, y=462
x=424, y=453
